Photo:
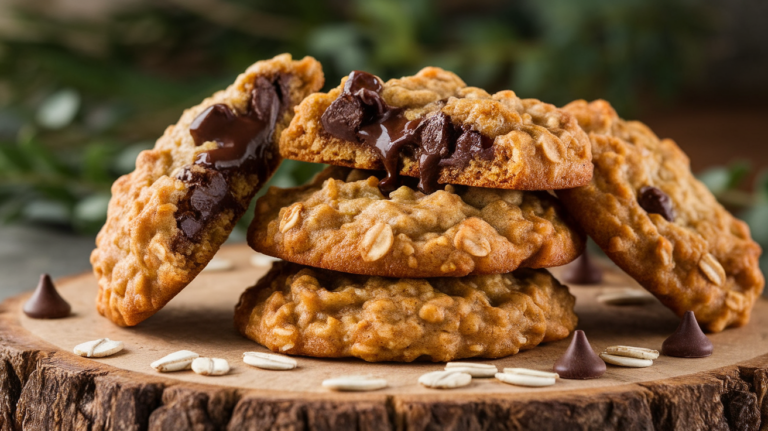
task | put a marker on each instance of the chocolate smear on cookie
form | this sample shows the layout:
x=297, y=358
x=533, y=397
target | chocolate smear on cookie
x=46, y=303
x=688, y=340
x=244, y=147
x=583, y=271
x=361, y=115
x=579, y=362
x=655, y=201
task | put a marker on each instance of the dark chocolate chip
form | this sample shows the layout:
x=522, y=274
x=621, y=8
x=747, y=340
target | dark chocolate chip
x=583, y=271
x=245, y=146
x=343, y=118
x=207, y=197
x=470, y=144
x=579, y=362
x=688, y=340
x=46, y=303
x=360, y=114
x=655, y=201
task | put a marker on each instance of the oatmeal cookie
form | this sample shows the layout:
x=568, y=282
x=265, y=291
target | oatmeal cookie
x=342, y=222
x=663, y=227
x=305, y=311
x=168, y=217
x=433, y=127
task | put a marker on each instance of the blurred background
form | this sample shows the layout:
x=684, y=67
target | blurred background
x=87, y=84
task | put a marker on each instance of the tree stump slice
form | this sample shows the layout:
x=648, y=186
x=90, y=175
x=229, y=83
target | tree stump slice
x=43, y=385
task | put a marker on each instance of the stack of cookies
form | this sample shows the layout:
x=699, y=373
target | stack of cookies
x=428, y=236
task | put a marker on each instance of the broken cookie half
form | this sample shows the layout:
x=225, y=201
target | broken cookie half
x=167, y=219
x=434, y=127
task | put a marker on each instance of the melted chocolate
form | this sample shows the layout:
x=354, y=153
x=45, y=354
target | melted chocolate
x=244, y=147
x=583, y=271
x=688, y=340
x=360, y=114
x=46, y=303
x=655, y=201
x=579, y=362
x=388, y=138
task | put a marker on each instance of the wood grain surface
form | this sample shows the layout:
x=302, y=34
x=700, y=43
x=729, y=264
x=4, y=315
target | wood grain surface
x=44, y=386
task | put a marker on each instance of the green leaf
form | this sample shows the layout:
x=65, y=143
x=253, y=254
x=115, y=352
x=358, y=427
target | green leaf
x=716, y=179
x=761, y=184
x=90, y=213
x=43, y=160
x=301, y=172
x=93, y=208
x=757, y=219
x=97, y=163
x=125, y=161
x=59, y=109
x=47, y=211
x=737, y=173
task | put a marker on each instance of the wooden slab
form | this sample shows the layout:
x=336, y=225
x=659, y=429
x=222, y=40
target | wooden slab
x=44, y=384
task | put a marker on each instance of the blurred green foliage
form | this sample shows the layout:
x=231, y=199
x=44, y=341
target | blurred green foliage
x=80, y=97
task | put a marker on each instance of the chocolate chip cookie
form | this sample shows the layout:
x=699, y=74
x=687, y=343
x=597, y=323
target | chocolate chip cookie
x=433, y=127
x=342, y=222
x=663, y=227
x=306, y=311
x=168, y=218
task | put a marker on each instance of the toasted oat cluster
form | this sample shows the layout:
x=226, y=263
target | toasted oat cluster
x=168, y=218
x=305, y=311
x=342, y=222
x=432, y=126
x=663, y=227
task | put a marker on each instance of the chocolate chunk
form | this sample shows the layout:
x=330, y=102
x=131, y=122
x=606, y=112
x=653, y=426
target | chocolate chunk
x=361, y=115
x=469, y=145
x=583, y=271
x=655, y=201
x=436, y=136
x=579, y=362
x=208, y=196
x=359, y=101
x=688, y=341
x=343, y=118
x=244, y=146
x=46, y=303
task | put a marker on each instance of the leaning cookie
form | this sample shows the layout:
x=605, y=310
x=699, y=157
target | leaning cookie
x=433, y=127
x=342, y=222
x=305, y=311
x=168, y=218
x=663, y=227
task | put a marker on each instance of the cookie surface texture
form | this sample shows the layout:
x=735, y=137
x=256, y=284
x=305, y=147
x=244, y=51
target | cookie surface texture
x=167, y=218
x=662, y=226
x=305, y=311
x=434, y=127
x=342, y=222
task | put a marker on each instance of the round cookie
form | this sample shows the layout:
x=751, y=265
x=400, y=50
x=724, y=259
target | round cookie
x=342, y=222
x=433, y=127
x=168, y=217
x=306, y=311
x=651, y=216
